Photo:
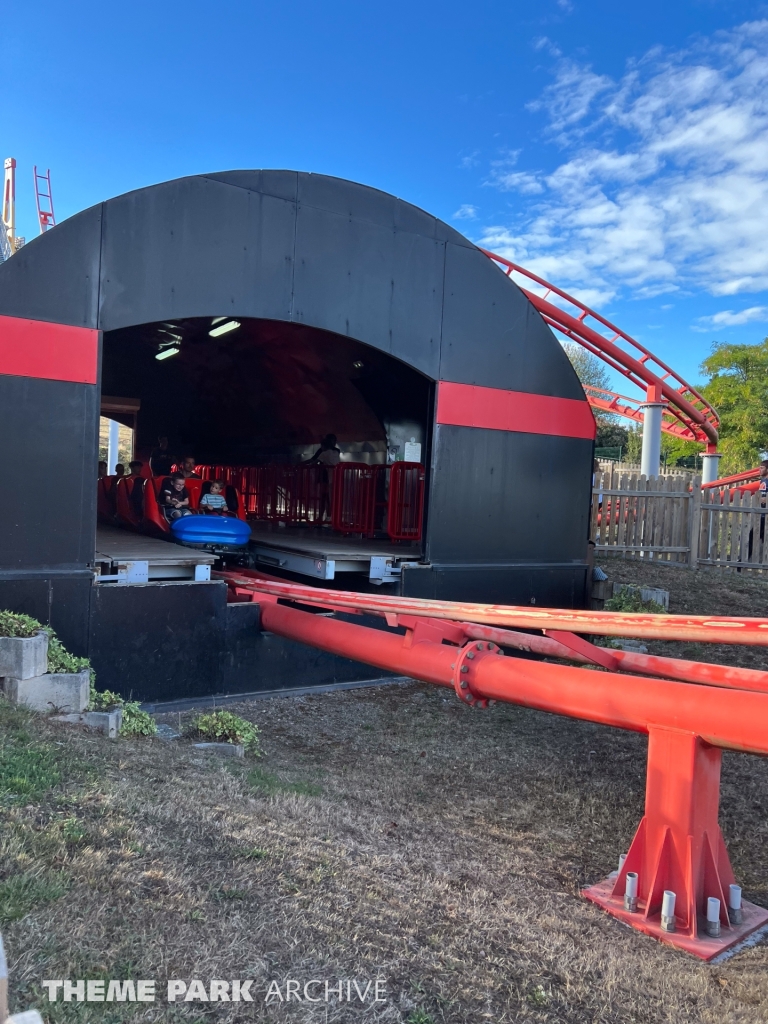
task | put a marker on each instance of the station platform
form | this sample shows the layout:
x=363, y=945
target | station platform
x=124, y=556
x=321, y=553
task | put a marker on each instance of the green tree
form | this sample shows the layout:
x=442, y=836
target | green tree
x=592, y=372
x=589, y=369
x=738, y=389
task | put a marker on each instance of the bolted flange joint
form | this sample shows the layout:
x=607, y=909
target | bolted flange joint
x=465, y=670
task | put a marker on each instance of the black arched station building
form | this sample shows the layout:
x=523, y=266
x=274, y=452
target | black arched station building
x=356, y=314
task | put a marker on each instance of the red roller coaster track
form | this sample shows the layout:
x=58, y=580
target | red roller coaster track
x=688, y=415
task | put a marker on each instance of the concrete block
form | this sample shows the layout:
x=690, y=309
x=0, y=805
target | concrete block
x=165, y=732
x=108, y=722
x=24, y=657
x=56, y=690
x=221, y=749
x=646, y=593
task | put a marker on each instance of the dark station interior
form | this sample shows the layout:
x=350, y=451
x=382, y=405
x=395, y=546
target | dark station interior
x=266, y=393
x=261, y=392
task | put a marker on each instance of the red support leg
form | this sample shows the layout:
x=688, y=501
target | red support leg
x=679, y=847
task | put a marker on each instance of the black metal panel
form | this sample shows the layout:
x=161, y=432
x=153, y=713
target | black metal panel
x=48, y=456
x=55, y=277
x=493, y=336
x=196, y=247
x=343, y=275
x=358, y=278
x=168, y=641
x=282, y=184
x=500, y=497
x=60, y=600
x=546, y=586
x=256, y=661
x=159, y=641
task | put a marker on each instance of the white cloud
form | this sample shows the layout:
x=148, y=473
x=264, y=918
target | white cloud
x=729, y=318
x=665, y=185
x=466, y=212
x=505, y=179
x=516, y=181
x=545, y=43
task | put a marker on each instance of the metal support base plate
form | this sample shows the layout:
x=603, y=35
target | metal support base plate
x=703, y=947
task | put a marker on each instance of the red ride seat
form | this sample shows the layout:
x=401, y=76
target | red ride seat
x=154, y=520
x=129, y=501
x=105, y=499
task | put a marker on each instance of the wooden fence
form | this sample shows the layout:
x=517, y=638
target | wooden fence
x=733, y=530
x=671, y=519
x=635, y=517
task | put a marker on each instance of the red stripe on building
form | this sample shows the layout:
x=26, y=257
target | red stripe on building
x=33, y=348
x=467, y=405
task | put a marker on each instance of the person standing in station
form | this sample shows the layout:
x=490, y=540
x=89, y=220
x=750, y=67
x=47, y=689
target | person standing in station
x=160, y=461
x=328, y=454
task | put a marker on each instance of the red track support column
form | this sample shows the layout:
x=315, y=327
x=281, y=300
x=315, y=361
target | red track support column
x=679, y=847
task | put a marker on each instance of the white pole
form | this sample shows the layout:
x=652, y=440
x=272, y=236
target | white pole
x=112, y=452
x=651, y=453
x=710, y=462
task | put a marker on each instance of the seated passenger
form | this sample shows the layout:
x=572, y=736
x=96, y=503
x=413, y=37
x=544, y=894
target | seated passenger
x=119, y=471
x=135, y=468
x=102, y=469
x=188, y=468
x=174, y=498
x=214, y=501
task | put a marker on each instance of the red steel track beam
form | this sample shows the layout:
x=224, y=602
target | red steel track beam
x=678, y=845
x=702, y=425
x=613, y=404
x=702, y=628
x=576, y=327
x=733, y=719
x=737, y=478
x=625, y=661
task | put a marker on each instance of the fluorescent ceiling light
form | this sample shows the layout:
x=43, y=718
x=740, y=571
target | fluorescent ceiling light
x=166, y=353
x=230, y=325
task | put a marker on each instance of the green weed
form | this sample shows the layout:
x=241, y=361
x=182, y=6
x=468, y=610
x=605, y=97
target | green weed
x=135, y=721
x=26, y=771
x=270, y=785
x=631, y=600
x=21, y=893
x=255, y=853
x=419, y=1017
x=225, y=727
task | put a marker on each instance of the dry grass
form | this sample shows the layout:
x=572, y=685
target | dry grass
x=388, y=833
x=442, y=850
x=706, y=592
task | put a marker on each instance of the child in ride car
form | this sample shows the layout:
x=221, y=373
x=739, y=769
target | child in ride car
x=174, y=498
x=215, y=501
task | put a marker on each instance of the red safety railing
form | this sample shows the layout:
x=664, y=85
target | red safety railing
x=350, y=495
x=405, y=504
x=354, y=497
x=676, y=882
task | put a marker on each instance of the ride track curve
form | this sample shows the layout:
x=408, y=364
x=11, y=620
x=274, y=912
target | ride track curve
x=688, y=415
x=691, y=712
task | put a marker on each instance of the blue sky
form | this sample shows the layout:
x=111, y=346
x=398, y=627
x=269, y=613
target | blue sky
x=620, y=150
